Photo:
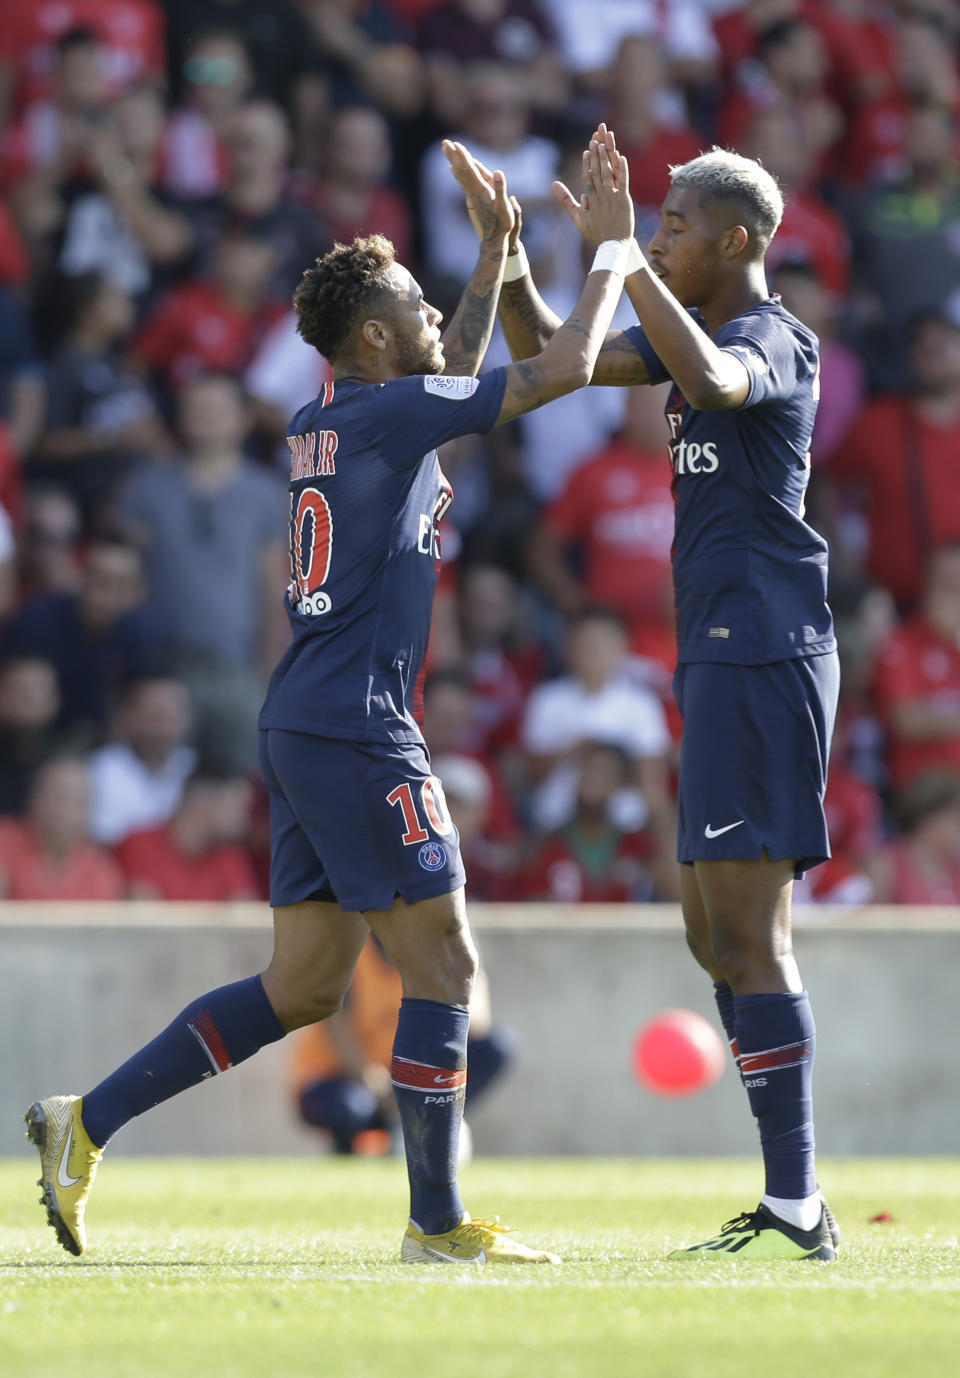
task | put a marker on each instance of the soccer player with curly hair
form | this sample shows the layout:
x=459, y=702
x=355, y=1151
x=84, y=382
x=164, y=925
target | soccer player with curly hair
x=361, y=836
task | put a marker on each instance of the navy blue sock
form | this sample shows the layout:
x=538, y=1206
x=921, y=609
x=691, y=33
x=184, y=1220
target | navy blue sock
x=728, y=1017
x=429, y=1072
x=776, y=1039
x=221, y=1029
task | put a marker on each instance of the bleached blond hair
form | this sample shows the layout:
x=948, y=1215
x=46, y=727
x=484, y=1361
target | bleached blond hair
x=721, y=175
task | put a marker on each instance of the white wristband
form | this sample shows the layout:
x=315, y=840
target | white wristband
x=635, y=259
x=612, y=256
x=517, y=265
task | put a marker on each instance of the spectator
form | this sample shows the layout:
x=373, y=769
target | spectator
x=198, y=855
x=843, y=381
x=810, y=232
x=501, y=659
x=369, y=54
x=924, y=72
x=913, y=219
x=788, y=73
x=213, y=527
x=453, y=726
x=137, y=779
x=496, y=126
x=898, y=462
x=591, y=34
x=217, y=76
x=922, y=866
x=491, y=862
x=214, y=324
x=48, y=854
x=595, y=701
x=48, y=558
x=100, y=418
x=49, y=135
x=616, y=515
x=130, y=32
x=29, y=705
x=589, y=858
x=21, y=384
x=97, y=638
x=651, y=124
x=457, y=33
x=8, y=566
x=353, y=197
x=284, y=375
x=917, y=684
x=274, y=32
x=341, y=1067
x=256, y=199
x=117, y=220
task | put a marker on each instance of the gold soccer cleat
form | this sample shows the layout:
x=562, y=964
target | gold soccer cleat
x=474, y=1242
x=68, y=1165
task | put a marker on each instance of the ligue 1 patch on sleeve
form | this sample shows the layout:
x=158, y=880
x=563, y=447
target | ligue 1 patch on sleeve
x=445, y=385
x=750, y=356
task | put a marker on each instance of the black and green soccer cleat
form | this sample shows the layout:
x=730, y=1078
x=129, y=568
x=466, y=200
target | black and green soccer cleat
x=762, y=1235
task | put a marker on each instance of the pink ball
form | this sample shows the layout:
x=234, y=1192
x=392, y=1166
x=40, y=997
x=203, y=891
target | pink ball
x=678, y=1053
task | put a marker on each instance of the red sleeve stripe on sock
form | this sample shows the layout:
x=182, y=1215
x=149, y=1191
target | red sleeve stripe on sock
x=208, y=1036
x=419, y=1076
x=775, y=1059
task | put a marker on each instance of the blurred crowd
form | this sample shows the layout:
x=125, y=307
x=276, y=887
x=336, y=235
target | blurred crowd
x=167, y=171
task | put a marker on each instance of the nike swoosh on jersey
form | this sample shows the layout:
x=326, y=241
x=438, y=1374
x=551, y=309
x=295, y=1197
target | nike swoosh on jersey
x=63, y=1173
x=715, y=832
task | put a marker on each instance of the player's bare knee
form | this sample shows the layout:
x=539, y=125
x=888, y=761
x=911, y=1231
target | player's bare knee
x=297, y=1003
x=703, y=954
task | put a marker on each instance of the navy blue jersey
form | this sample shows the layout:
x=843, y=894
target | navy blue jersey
x=750, y=576
x=366, y=495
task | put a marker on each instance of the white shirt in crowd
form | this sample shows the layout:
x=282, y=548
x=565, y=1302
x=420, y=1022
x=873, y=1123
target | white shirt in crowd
x=125, y=795
x=563, y=712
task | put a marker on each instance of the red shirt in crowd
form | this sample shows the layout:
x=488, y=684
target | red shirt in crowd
x=917, y=665
x=853, y=812
x=911, y=884
x=156, y=868
x=619, y=508
x=387, y=213
x=27, y=873
x=195, y=329
x=560, y=872
x=650, y=162
x=812, y=232
x=132, y=32
x=909, y=470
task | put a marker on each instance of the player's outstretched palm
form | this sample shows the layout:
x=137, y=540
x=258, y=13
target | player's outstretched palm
x=491, y=210
x=605, y=208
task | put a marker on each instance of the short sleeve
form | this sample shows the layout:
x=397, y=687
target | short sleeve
x=408, y=417
x=651, y=359
x=777, y=359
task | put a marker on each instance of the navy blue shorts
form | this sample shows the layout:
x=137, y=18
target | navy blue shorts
x=355, y=823
x=753, y=760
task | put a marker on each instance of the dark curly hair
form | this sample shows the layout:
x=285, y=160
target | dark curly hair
x=342, y=288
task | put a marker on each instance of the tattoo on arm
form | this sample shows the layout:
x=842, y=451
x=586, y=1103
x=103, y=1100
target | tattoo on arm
x=466, y=338
x=619, y=363
x=528, y=322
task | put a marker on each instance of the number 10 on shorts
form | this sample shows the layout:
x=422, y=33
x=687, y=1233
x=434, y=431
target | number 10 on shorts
x=434, y=805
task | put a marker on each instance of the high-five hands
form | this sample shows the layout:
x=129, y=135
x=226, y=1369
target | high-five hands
x=492, y=211
x=605, y=208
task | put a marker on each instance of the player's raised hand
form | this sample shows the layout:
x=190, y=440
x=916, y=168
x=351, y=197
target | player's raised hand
x=491, y=210
x=605, y=208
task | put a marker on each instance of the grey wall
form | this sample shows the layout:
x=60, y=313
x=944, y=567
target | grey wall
x=82, y=987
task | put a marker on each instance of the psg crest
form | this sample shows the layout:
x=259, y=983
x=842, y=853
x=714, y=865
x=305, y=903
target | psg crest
x=432, y=856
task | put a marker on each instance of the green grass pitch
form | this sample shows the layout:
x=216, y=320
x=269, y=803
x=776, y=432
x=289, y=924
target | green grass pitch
x=286, y=1268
